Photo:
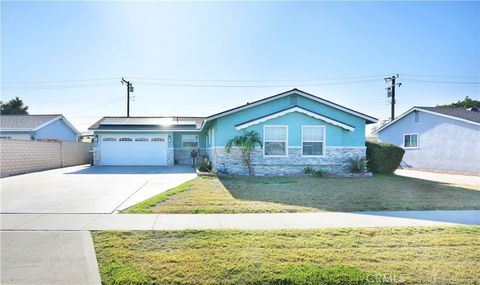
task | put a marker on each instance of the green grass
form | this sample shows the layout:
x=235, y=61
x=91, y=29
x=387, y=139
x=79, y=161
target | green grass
x=432, y=255
x=307, y=194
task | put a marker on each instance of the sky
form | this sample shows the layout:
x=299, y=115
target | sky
x=197, y=59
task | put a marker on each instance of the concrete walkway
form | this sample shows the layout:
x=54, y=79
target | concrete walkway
x=48, y=258
x=319, y=220
x=440, y=177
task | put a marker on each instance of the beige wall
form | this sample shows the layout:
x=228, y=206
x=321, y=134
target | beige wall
x=21, y=156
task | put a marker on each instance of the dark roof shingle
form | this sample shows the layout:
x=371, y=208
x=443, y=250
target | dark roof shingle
x=461, y=113
x=24, y=121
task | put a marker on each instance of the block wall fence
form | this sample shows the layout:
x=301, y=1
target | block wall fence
x=24, y=156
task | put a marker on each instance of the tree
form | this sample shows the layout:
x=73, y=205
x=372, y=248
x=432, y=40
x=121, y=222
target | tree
x=465, y=103
x=247, y=143
x=13, y=107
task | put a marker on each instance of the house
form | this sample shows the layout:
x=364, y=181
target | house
x=37, y=127
x=298, y=130
x=436, y=138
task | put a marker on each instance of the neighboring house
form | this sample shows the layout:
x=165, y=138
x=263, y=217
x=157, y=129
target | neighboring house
x=37, y=127
x=436, y=138
x=298, y=130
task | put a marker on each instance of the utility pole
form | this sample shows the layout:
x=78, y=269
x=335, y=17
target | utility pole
x=129, y=89
x=391, y=93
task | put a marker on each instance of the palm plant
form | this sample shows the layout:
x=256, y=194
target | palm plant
x=246, y=143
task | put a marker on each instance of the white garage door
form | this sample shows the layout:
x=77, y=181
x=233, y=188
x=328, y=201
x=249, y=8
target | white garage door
x=133, y=149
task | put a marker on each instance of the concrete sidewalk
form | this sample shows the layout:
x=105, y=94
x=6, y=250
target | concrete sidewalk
x=48, y=258
x=318, y=220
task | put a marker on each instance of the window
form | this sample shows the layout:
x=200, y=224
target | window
x=124, y=139
x=313, y=140
x=189, y=141
x=157, y=140
x=410, y=141
x=275, y=140
x=109, y=139
x=141, y=140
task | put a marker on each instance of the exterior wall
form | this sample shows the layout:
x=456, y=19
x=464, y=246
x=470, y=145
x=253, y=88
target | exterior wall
x=334, y=161
x=22, y=156
x=444, y=144
x=16, y=135
x=97, y=135
x=56, y=130
x=225, y=126
x=182, y=155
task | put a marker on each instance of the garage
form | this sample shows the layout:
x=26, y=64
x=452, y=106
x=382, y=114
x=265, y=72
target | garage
x=128, y=149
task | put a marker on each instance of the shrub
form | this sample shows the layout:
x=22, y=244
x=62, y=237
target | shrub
x=358, y=164
x=204, y=165
x=314, y=172
x=308, y=170
x=383, y=157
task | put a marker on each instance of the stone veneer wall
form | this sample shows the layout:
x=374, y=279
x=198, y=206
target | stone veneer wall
x=24, y=156
x=334, y=161
x=183, y=156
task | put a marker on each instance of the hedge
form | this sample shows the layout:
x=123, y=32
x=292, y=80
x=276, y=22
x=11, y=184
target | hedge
x=383, y=157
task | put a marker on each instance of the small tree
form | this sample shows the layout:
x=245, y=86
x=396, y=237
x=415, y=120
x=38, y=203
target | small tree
x=13, y=107
x=247, y=143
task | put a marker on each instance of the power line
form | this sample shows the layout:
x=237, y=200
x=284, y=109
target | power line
x=60, y=86
x=97, y=106
x=442, y=82
x=255, y=86
x=262, y=80
x=61, y=81
x=438, y=76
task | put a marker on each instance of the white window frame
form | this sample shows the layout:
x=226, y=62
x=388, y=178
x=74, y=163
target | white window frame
x=411, y=147
x=286, y=140
x=324, y=142
x=198, y=142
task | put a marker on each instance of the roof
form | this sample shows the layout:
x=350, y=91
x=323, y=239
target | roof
x=197, y=123
x=25, y=122
x=148, y=123
x=368, y=119
x=460, y=114
x=290, y=110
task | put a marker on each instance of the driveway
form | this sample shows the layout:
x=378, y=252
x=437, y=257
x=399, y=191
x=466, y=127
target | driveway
x=85, y=189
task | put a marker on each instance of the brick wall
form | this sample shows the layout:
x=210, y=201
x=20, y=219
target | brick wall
x=23, y=156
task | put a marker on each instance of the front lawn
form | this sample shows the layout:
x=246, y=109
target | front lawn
x=307, y=194
x=433, y=255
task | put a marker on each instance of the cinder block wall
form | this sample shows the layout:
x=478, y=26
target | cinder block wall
x=23, y=156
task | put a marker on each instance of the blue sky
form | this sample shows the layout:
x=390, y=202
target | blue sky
x=252, y=41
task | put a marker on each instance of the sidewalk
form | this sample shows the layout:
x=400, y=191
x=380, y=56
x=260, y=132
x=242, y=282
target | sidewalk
x=318, y=220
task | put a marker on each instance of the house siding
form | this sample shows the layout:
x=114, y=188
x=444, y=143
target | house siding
x=226, y=125
x=445, y=144
x=16, y=135
x=341, y=144
x=56, y=130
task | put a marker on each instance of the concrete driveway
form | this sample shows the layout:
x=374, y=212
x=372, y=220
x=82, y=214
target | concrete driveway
x=85, y=189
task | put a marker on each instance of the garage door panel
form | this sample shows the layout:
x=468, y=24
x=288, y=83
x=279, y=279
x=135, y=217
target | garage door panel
x=133, y=150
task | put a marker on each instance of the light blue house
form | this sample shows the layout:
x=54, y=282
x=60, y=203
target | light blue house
x=298, y=129
x=37, y=127
x=436, y=138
